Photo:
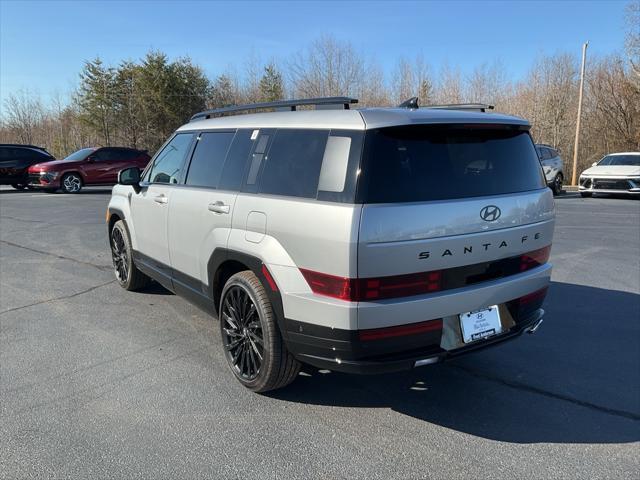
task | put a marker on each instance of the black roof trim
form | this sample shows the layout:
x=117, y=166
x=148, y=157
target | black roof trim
x=22, y=145
x=463, y=106
x=288, y=104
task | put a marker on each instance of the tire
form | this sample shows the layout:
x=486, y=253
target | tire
x=586, y=194
x=556, y=186
x=126, y=272
x=19, y=186
x=246, y=320
x=71, y=183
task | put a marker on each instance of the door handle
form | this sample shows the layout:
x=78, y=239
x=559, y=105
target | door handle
x=218, y=207
x=162, y=199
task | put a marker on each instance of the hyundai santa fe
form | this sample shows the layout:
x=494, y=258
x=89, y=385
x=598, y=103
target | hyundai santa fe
x=363, y=241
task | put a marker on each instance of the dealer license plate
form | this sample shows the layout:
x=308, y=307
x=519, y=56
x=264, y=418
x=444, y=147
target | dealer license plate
x=480, y=324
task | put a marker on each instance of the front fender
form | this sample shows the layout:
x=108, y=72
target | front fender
x=120, y=205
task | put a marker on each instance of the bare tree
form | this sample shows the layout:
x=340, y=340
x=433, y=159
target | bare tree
x=632, y=40
x=23, y=112
x=327, y=68
x=450, y=88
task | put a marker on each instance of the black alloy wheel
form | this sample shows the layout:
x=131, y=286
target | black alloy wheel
x=242, y=333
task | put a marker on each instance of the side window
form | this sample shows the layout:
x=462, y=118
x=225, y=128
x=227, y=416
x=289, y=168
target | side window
x=236, y=162
x=112, y=155
x=340, y=162
x=208, y=159
x=294, y=162
x=548, y=155
x=167, y=165
x=124, y=154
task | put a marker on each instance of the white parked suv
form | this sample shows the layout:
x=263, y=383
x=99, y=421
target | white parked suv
x=364, y=241
x=617, y=173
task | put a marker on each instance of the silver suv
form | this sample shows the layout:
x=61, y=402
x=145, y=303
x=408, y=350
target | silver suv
x=552, y=166
x=363, y=241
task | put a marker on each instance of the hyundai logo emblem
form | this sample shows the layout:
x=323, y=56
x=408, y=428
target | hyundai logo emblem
x=490, y=213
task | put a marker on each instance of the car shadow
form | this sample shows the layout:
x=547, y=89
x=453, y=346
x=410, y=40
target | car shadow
x=577, y=380
x=154, y=288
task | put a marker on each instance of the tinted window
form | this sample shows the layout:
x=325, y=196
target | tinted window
x=234, y=166
x=108, y=155
x=208, y=159
x=80, y=154
x=293, y=164
x=423, y=163
x=167, y=165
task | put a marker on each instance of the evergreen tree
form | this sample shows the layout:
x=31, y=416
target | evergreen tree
x=223, y=93
x=95, y=98
x=271, y=85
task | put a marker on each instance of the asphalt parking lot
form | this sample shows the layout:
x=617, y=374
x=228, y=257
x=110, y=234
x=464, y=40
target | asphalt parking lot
x=97, y=382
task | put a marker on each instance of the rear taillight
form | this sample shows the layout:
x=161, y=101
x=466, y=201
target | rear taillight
x=402, y=330
x=330, y=285
x=395, y=286
x=535, y=258
x=377, y=288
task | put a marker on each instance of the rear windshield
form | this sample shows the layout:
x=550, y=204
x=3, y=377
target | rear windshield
x=419, y=163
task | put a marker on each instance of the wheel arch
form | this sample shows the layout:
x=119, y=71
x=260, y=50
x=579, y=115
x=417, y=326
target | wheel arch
x=224, y=263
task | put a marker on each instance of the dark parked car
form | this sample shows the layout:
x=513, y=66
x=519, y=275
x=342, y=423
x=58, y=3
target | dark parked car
x=15, y=161
x=89, y=166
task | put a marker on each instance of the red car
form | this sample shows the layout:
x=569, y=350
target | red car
x=89, y=166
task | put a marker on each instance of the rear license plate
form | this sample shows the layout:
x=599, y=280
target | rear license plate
x=480, y=324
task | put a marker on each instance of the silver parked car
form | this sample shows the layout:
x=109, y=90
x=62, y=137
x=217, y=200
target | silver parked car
x=363, y=241
x=552, y=165
x=617, y=173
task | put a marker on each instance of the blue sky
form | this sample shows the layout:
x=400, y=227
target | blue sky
x=43, y=44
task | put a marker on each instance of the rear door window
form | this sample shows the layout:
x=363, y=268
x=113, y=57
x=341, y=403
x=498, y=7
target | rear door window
x=421, y=163
x=235, y=164
x=208, y=159
x=293, y=165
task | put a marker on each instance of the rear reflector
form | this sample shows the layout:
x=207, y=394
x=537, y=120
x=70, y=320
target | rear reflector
x=367, y=289
x=534, y=297
x=269, y=278
x=535, y=258
x=402, y=330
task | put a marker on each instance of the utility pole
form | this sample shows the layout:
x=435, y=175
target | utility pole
x=577, y=142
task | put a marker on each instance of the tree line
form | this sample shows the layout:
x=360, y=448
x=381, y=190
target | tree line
x=139, y=104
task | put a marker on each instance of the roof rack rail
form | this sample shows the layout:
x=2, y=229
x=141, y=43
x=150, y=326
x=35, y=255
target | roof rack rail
x=22, y=145
x=483, y=107
x=283, y=104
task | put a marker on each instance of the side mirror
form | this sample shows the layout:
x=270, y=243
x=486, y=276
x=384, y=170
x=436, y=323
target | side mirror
x=130, y=176
x=594, y=164
x=91, y=158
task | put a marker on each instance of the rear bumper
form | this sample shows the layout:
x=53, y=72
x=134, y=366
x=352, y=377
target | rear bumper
x=343, y=351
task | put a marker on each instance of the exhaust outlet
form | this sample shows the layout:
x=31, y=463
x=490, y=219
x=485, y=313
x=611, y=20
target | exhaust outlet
x=534, y=328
